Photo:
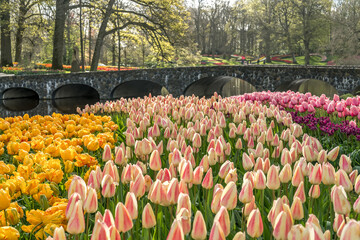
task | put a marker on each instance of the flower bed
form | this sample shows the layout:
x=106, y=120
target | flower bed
x=174, y=168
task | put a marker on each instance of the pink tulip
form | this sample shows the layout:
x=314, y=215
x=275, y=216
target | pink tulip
x=76, y=223
x=340, y=201
x=123, y=221
x=100, y=231
x=216, y=232
x=77, y=185
x=273, y=181
x=155, y=161
x=74, y=198
x=208, y=180
x=176, y=232
x=148, y=217
x=91, y=201
x=229, y=196
x=108, y=186
x=246, y=192
x=255, y=224
x=282, y=226
x=199, y=227
x=297, y=209
x=107, y=153
x=131, y=205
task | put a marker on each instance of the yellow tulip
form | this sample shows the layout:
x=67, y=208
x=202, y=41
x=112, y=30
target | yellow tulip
x=4, y=199
x=13, y=148
x=25, y=146
x=69, y=166
x=93, y=145
x=9, y=233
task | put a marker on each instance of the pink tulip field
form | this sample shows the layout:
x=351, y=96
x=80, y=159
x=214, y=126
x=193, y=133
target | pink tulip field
x=244, y=167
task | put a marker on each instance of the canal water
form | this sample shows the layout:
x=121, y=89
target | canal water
x=33, y=106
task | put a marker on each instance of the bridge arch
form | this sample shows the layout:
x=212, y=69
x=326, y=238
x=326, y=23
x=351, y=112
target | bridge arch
x=19, y=99
x=226, y=86
x=314, y=86
x=137, y=88
x=75, y=90
x=67, y=98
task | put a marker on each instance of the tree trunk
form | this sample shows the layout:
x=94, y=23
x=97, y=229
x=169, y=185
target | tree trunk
x=267, y=40
x=81, y=40
x=20, y=32
x=101, y=35
x=6, y=58
x=90, y=42
x=58, y=44
x=307, y=52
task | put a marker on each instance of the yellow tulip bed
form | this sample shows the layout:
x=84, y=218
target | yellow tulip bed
x=173, y=168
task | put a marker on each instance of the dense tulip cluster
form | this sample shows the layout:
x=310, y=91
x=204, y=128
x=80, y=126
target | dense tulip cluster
x=194, y=168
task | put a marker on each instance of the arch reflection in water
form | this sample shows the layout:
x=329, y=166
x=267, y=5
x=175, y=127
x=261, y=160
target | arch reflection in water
x=19, y=99
x=137, y=88
x=224, y=85
x=314, y=86
x=71, y=96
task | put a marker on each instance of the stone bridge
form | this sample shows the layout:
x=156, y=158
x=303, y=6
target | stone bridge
x=108, y=85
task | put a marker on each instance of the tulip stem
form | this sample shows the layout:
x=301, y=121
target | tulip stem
x=87, y=225
x=6, y=219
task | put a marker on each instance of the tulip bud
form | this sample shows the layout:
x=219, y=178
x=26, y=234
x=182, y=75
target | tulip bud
x=148, y=217
x=216, y=232
x=246, y=192
x=285, y=174
x=108, y=186
x=108, y=218
x=297, y=209
x=298, y=232
x=183, y=202
x=77, y=185
x=342, y=179
x=176, y=232
x=340, y=201
x=259, y=180
x=138, y=186
x=351, y=231
x=300, y=192
x=314, y=191
x=345, y=163
x=199, y=227
x=184, y=217
x=215, y=203
x=59, y=233
x=197, y=175
x=100, y=231
x=223, y=218
x=155, y=161
x=75, y=197
x=282, y=225
x=107, y=153
x=123, y=221
x=229, y=196
x=316, y=175
x=91, y=201
x=76, y=223
x=332, y=155
x=356, y=205
x=297, y=177
x=255, y=224
x=131, y=205
x=328, y=174
x=208, y=180
x=273, y=181
x=246, y=162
